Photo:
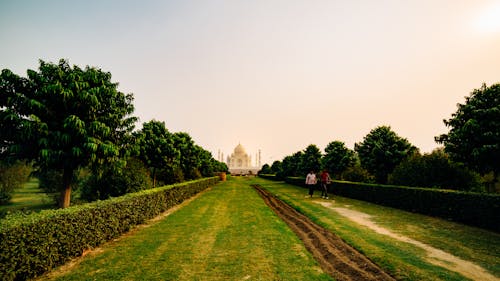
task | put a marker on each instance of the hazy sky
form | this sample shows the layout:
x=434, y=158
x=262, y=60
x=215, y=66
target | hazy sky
x=275, y=75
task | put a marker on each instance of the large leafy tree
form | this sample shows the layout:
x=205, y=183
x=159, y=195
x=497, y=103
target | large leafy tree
x=190, y=160
x=276, y=167
x=474, y=136
x=310, y=160
x=382, y=150
x=338, y=158
x=156, y=147
x=290, y=165
x=64, y=118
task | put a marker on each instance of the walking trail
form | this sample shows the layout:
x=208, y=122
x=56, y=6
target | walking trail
x=434, y=255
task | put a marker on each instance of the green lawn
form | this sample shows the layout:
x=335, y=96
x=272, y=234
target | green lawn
x=228, y=233
x=404, y=260
x=28, y=198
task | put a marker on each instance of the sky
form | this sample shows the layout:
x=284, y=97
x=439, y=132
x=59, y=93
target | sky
x=271, y=75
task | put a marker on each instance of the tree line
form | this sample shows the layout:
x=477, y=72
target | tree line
x=75, y=129
x=469, y=159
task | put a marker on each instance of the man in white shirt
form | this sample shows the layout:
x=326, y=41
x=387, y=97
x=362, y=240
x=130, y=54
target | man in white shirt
x=311, y=182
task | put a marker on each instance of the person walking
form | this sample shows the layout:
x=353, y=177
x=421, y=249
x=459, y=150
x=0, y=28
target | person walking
x=325, y=181
x=311, y=182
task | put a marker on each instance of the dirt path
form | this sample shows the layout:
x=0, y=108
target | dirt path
x=336, y=257
x=434, y=256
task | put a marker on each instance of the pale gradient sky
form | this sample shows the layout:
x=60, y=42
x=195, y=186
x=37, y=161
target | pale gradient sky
x=275, y=75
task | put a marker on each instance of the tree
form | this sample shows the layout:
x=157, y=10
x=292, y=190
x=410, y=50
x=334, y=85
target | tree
x=189, y=157
x=290, y=165
x=116, y=181
x=337, y=158
x=435, y=170
x=310, y=160
x=381, y=151
x=276, y=167
x=266, y=169
x=474, y=136
x=64, y=118
x=156, y=147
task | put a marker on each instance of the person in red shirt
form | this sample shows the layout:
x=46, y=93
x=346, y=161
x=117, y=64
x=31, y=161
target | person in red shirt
x=325, y=181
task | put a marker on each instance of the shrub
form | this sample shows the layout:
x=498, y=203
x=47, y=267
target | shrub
x=12, y=176
x=31, y=245
x=437, y=171
x=357, y=173
x=116, y=181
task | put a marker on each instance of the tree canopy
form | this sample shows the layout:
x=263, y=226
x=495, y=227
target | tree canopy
x=382, y=150
x=64, y=118
x=156, y=147
x=337, y=158
x=310, y=160
x=474, y=136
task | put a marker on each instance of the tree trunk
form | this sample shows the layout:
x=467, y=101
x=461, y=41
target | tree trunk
x=65, y=200
x=154, y=177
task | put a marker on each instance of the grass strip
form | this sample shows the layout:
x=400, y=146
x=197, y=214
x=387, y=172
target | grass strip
x=227, y=233
x=28, y=198
x=405, y=261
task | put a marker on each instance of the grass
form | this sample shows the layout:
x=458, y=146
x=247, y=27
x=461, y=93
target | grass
x=227, y=233
x=28, y=198
x=405, y=261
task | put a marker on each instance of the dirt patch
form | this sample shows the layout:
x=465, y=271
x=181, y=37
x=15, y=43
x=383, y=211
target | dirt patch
x=434, y=255
x=335, y=256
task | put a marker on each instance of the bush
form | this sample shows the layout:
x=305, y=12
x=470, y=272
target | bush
x=31, y=245
x=477, y=209
x=357, y=174
x=12, y=176
x=116, y=181
x=437, y=171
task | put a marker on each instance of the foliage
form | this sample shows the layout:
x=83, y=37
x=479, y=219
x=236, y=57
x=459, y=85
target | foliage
x=116, y=181
x=290, y=165
x=64, y=118
x=50, y=238
x=310, y=160
x=51, y=181
x=435, y=170
x=476, y=209
x=474, y=136
x=276, y=167
x=357, y=173
x=266, y=169
x=189, y=160
x=337, y=158
x=381, y=151
x=12, y=176
x=156, y=147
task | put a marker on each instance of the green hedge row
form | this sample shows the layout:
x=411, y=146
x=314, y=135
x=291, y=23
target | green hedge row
x=476, y=209
x=34, y=244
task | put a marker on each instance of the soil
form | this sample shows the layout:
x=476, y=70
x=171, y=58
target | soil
x=335, y=256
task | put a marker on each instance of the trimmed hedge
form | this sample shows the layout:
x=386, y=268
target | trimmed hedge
x=476, y=209
x=31, y=245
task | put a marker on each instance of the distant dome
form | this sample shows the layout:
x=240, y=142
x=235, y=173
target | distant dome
x=239, y=149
